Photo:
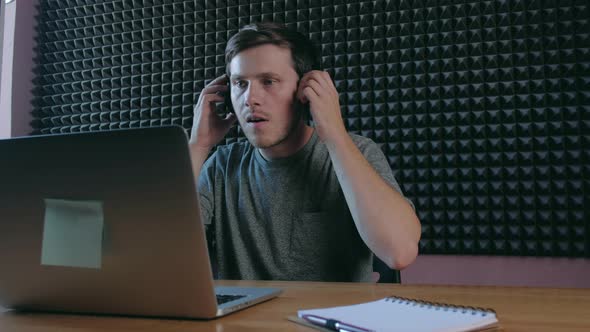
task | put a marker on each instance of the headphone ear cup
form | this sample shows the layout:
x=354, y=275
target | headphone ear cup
x=228, y=105
x=305, y=111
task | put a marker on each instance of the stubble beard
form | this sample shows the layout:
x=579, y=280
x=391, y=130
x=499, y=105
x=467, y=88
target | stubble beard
x=282, y=137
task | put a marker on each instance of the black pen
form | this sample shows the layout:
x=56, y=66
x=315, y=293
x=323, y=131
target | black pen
x=332, y=324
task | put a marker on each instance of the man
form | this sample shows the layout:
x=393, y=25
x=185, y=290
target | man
x=295, y=202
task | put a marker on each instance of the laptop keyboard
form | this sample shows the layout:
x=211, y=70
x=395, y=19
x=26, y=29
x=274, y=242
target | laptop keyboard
x=226, y=298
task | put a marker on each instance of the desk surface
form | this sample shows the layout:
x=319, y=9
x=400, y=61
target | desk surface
x=518, y=308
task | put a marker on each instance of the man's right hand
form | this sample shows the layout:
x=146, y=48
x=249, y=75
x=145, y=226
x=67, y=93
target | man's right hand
x=208, y=127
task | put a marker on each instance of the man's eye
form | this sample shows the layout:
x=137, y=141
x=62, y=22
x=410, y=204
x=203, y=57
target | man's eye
x=241, y=84
x=268, y=82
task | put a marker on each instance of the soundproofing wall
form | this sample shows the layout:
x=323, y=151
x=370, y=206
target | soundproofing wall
x=481, y=107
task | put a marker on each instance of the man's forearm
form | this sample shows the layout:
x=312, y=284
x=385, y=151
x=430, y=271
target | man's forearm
x=385, y=220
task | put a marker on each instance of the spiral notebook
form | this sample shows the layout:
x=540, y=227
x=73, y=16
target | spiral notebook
x=399, y=314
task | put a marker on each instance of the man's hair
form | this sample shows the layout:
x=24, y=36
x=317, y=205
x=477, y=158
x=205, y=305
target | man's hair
x=303, y=51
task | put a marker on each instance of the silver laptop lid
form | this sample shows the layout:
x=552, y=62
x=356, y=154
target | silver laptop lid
x=104, y=222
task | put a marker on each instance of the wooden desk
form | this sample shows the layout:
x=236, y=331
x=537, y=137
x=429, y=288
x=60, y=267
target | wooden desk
x=519, y=309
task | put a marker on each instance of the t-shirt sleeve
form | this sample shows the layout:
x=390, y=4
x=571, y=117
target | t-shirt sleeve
x=205, y=189
x=377, y=159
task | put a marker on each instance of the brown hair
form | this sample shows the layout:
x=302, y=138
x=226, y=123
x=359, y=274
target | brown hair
x=303, y=52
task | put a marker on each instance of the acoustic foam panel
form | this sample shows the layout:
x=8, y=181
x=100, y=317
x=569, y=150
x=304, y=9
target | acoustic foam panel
x=481, y=107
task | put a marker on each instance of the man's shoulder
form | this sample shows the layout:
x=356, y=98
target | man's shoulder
x=226, y=152
x=238, y=146
x=361, y=141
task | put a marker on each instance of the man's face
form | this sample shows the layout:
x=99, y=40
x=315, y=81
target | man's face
x=263, y=87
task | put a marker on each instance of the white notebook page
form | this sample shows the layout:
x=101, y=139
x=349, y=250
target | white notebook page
x=405, y=315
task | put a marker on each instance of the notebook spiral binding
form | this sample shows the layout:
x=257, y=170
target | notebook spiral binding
x=441, y=306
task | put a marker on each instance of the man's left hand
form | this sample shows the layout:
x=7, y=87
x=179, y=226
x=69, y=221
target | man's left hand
x=317, y=89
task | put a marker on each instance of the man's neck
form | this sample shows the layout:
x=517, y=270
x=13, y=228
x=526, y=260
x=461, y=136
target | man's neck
x=295, y=142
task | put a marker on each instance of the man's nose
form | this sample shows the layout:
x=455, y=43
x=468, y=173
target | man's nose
x=253, y=95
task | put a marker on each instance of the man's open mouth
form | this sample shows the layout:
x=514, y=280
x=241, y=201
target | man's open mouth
x=254, y=119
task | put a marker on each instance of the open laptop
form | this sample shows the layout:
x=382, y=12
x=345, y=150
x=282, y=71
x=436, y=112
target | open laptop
x=107, y=223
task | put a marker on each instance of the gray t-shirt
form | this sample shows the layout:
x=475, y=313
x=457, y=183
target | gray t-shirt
x=284, y=219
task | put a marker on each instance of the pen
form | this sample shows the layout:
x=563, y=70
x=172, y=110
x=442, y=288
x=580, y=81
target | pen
x=332, y=324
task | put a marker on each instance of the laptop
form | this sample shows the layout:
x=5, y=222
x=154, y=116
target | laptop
x=107, y=223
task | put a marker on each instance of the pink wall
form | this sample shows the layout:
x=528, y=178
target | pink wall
x=17, y=64
x=5, y=71
x=498, y=271
x=22, y=83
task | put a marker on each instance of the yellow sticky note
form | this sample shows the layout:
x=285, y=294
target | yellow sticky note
x=72, y=233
